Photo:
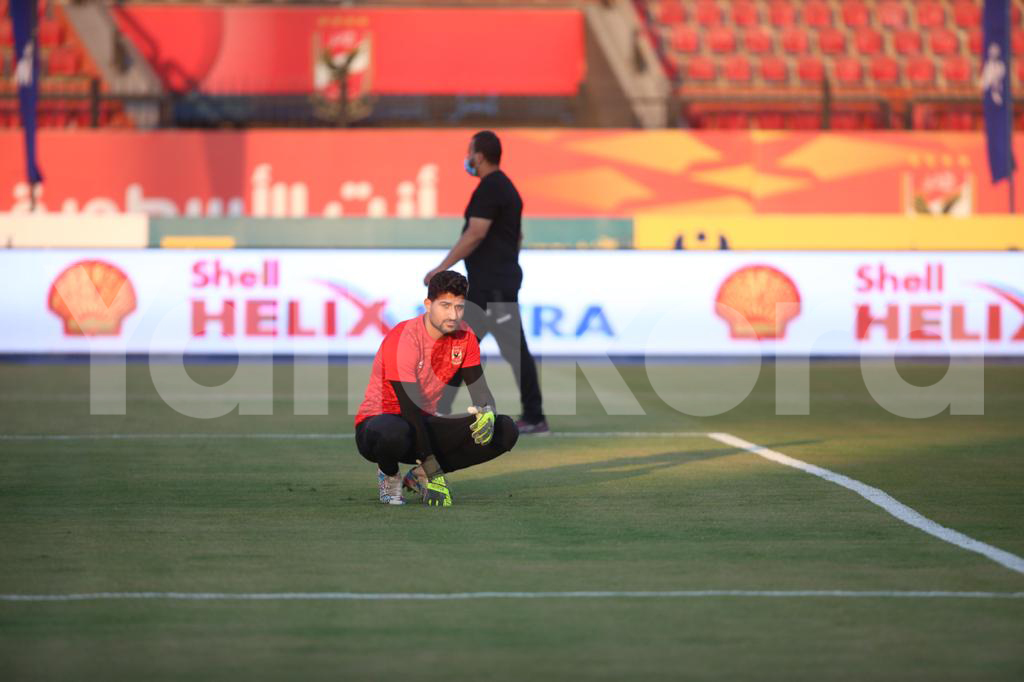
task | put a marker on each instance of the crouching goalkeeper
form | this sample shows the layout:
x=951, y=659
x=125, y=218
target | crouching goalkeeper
x=416, y=362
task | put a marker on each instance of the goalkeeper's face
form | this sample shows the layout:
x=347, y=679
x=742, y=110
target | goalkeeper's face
x=445, y=312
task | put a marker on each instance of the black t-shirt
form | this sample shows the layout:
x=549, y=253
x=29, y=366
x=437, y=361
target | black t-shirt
x=495, y=262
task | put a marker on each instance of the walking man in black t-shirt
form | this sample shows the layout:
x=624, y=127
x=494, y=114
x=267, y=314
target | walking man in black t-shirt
x=490, y=241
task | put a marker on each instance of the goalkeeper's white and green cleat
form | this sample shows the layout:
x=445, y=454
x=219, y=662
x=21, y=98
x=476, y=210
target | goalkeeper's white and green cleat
x=438, y=494
x=390, y=488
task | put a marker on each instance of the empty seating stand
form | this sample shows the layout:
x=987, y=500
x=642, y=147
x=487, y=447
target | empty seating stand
x=895, y=51
x=66, y=75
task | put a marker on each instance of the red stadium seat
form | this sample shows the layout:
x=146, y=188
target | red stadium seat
x=1020, y=72
x=892, y=14
x=769, y=121
x=921, y=71
x=930, y=14
x=782, y=13
x=51, y=32
x=885, y=71
x=956, y=120
x=966, y=14
x=685, y=39
x=732, y=121
x=817, y=14
x=869, y=41
x=944, y=42
x=810, y=70
x=1018, y=41
x=701, y=69
x=722, y=40
x=63, y=61
x=6, y=32
x=848, y=71
x=774, y=70
x=709, y=13
x=795, y=41
x=805, y=121
x=856, y=14
x=957, y=70
x=737, y=69
x=744, y=13
x=671, y=12
x=832, y=41
x=846, y=121
x=975, y=38
x=758, y=40
x=907, y=42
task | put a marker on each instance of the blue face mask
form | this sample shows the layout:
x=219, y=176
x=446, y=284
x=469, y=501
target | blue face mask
x=469, y=168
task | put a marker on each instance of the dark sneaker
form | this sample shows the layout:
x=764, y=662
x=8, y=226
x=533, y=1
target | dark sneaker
x=412, y=483
x=540, y=428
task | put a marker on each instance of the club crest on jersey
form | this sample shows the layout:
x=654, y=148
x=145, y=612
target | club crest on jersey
x=457, y=355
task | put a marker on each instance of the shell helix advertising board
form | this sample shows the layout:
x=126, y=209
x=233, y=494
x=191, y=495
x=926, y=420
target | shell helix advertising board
x=574, y=303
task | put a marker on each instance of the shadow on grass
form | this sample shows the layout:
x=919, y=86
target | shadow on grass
x=612, y=470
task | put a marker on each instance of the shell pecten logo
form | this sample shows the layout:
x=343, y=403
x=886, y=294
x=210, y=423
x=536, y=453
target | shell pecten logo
x=757, y=302
x=92, y=297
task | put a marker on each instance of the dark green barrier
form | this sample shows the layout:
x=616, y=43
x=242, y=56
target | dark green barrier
x=376, y=233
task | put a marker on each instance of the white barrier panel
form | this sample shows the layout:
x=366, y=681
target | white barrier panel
x=47, y=230
x=574, y=303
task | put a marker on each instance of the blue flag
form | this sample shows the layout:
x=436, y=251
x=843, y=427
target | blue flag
x=26, y=75
x=995, y=84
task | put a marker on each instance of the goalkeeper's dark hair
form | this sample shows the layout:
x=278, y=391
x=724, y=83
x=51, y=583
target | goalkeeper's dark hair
x=447, y=282
x=488, y=144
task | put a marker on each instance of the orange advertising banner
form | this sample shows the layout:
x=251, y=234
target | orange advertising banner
x=560, y=173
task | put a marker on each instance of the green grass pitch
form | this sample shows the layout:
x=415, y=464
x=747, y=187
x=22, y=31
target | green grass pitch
x=203, y=510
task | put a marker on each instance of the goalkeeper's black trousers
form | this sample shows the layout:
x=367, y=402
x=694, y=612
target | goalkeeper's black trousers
x=497, y=312
x=388, y=440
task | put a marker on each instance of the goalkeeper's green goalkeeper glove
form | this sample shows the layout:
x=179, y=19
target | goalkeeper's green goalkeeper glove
x=483, y=427
x=437, y=493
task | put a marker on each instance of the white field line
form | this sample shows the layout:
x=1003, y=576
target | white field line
x=878, y=497
x=464, y=596
x=313, y=436
x=882, y=499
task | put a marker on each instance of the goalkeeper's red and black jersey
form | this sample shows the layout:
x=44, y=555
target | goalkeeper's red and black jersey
x=408, y=354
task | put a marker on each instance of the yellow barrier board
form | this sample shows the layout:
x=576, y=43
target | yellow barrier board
x=197, y=241
x=829, y=232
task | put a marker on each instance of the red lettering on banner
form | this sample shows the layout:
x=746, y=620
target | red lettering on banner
x=260, y=318
x=214, y=274
x=200, y=318
x=995, y=323
x=255, y=317
x=294, y=324
x=959, y=332
x=919, y=322
x=878, y=278
x=330, y=319
x=865, y=320
x=372, y=316
x=933, y=322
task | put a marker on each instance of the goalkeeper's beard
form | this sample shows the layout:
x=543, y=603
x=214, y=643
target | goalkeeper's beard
x=446, y=326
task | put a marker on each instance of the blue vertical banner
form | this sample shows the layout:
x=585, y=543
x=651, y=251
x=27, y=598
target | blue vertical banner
x=995, y=84
x=26, y=75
